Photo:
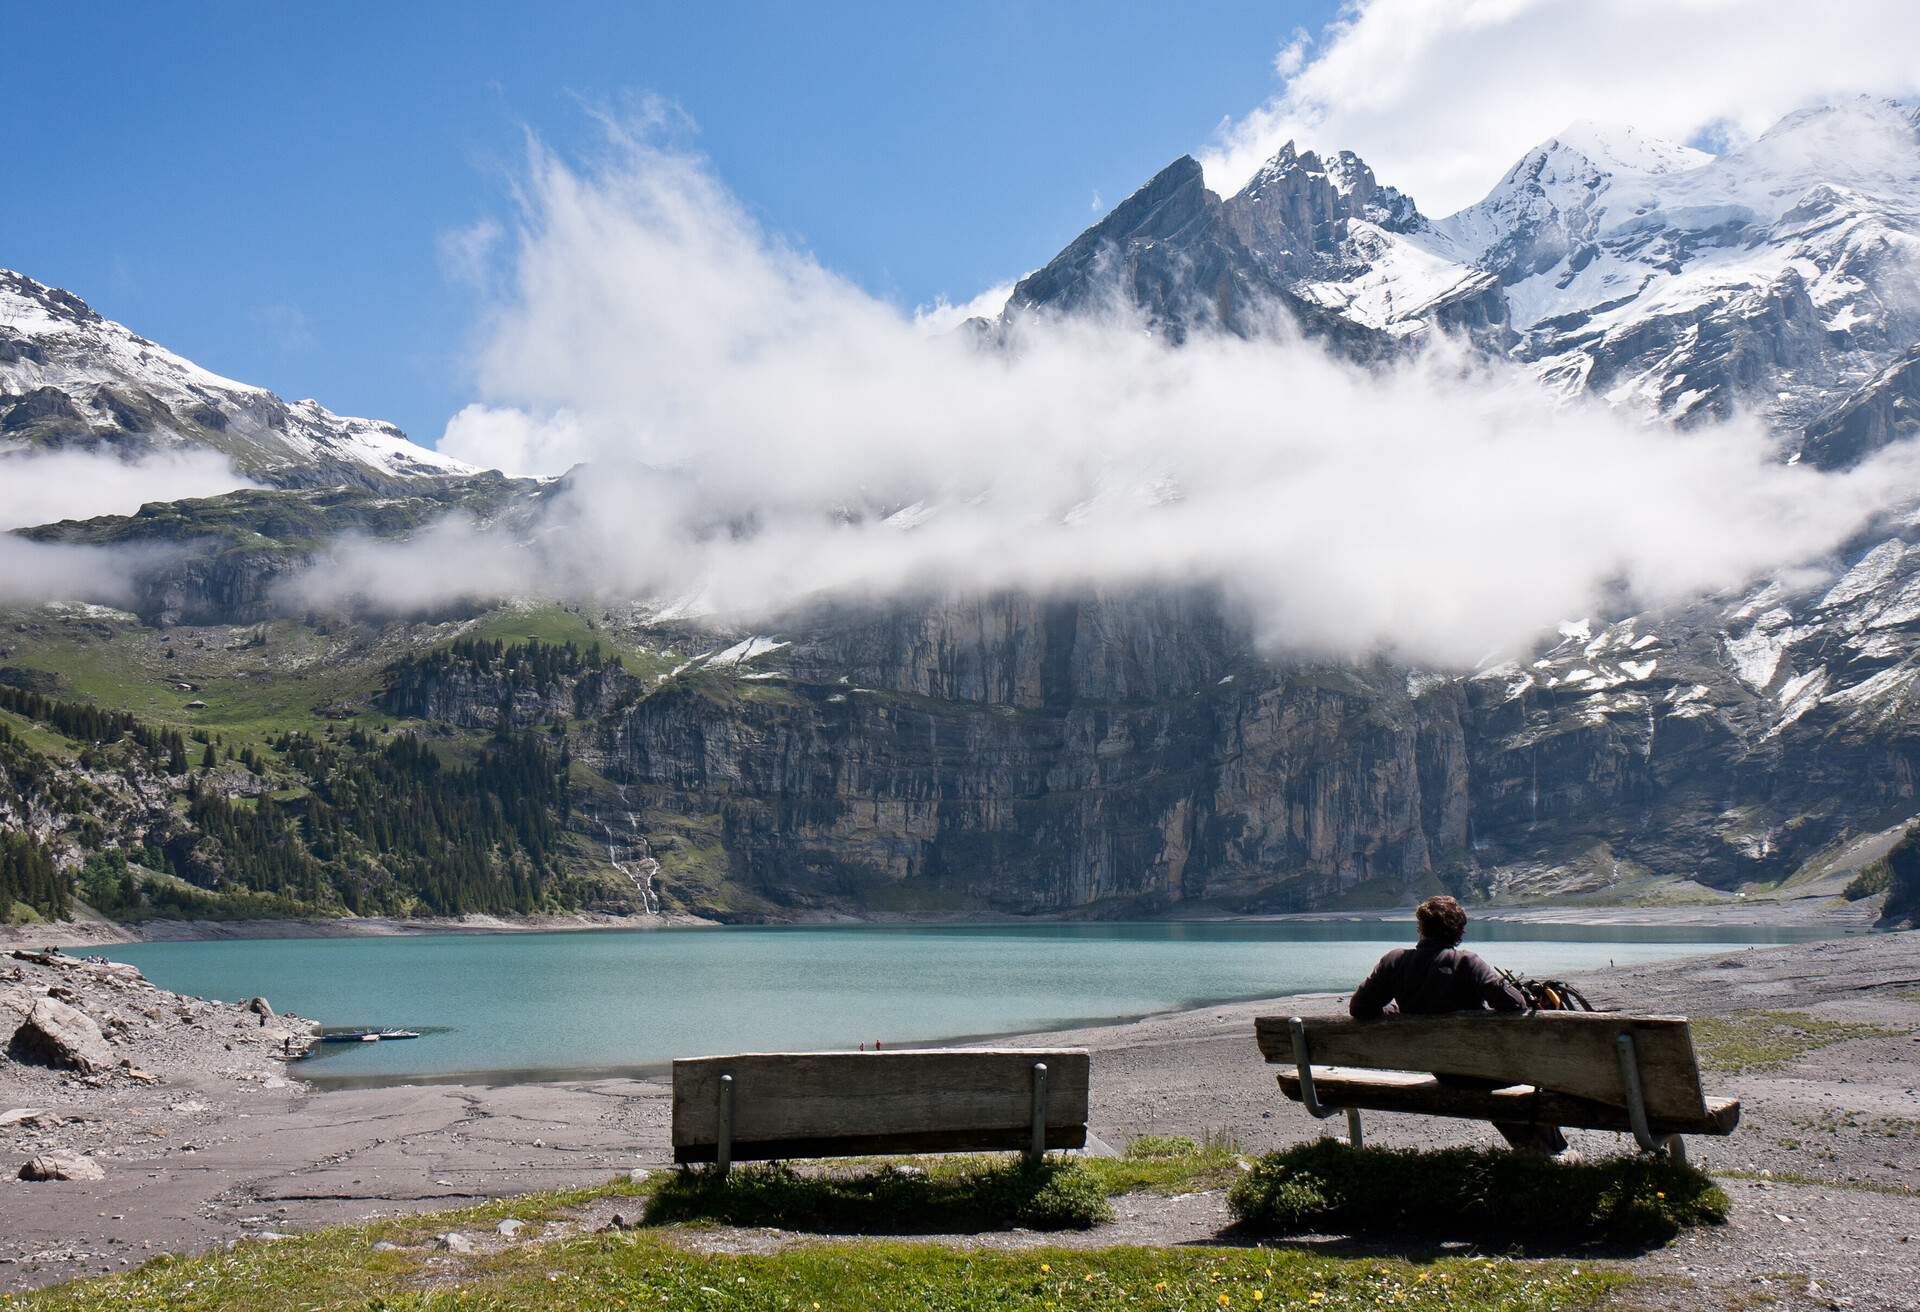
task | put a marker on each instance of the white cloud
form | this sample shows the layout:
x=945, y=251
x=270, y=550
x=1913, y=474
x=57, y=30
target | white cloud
x=448, y=561
x=38, y=571
x=285, y=326
x=751, y=420
x=43, y=487
x=514, y=442
x=1442, y=98
x=943, y=316
x=466, y=253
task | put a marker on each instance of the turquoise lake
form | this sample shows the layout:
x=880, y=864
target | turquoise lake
x=532, y=1006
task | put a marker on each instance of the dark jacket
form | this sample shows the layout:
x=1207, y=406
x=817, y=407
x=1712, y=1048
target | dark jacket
x=1428, y=980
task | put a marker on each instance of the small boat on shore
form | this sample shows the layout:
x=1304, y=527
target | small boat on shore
x=368, y=1036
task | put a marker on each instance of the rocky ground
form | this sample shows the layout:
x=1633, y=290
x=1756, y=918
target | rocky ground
x=211, y=1140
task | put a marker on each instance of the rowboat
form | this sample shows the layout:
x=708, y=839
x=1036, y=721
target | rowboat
x=368, y=1036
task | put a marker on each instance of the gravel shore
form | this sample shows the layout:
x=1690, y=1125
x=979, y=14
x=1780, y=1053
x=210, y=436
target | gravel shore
x=217, y=1142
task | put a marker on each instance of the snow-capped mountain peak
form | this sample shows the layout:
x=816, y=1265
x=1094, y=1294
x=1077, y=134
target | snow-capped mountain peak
x=1778, y=277
x=1622, y=148
x=71, y=378
x=1561, y=194
x=1863, y=144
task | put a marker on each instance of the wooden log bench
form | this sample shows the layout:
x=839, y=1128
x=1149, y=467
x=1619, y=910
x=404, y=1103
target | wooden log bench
x=781, y=1105
x=1580, y=1070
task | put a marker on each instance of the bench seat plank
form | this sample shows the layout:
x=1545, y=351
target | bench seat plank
x=1410, y=1091
x=835, y=1104
x=1572, y=1053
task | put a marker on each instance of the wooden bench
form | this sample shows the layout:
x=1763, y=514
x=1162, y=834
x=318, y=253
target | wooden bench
x=1582, y=1070
x=778, y=1105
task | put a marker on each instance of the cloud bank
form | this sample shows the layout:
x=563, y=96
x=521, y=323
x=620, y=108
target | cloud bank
x=45, y=487
x=760, y=430
x=1442, y=98
x=35, y=572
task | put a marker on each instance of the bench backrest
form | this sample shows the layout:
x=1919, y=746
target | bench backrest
x=845, y=1104
x=1568, y=1052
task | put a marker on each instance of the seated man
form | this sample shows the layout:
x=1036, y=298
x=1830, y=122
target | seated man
x=1436, y=976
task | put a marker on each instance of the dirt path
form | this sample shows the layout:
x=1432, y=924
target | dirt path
x=224, y=1145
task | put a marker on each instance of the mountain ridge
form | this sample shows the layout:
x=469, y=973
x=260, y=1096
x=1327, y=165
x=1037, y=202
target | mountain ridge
x=71, y=379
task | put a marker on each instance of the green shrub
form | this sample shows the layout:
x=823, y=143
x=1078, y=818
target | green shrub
x=1874, y=879
x=1480, y=1194
x=1053, y=1194
x=1149, y=1146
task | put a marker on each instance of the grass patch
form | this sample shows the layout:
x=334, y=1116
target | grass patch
x=1481, y=1194
x=1168, y=1164
x=1054, y=1194
x=1152, y=1147
x=1748, y=1041
x=339, y=1269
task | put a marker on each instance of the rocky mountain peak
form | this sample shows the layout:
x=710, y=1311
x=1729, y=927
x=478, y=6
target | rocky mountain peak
x=1296, y=209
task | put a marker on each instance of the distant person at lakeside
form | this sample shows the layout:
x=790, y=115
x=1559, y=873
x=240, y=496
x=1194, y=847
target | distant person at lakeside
x=1437, y=976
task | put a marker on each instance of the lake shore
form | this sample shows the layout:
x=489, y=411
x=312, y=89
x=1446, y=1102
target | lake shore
x=224, y=1144
x=1823, y=911
x=95, y=931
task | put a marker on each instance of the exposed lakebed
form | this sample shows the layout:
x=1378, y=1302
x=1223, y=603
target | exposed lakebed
x=539, y=1006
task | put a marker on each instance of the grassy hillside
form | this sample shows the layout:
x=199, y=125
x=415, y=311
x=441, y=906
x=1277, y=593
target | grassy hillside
x=274, y=715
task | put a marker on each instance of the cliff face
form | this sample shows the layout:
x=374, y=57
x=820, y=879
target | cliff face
x=1132, y=753
x=1126, y=752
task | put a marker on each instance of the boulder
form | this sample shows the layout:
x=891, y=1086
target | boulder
x=260, y=1008
x=61, y=1164
x=15, y=1006
x=55, y=1034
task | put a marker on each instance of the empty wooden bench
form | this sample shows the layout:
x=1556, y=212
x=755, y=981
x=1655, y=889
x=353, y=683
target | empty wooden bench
x=1583, y=1070
x=781, y=1105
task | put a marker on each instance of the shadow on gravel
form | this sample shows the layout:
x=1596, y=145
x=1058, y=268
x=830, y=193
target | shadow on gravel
x=1054, y=1194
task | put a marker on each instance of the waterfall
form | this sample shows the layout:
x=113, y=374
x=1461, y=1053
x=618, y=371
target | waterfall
x=642, y=870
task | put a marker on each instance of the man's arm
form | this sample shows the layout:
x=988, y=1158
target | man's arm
x=1370, y=1000
x=1494, y=990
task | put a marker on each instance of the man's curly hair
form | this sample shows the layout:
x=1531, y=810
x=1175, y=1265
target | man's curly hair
x=1442, y=920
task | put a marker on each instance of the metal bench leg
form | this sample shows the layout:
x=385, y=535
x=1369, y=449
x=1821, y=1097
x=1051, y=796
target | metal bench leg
x=1303, y=1062
x=1037, y=1146
x=1636, y=1097
x=723, y=1141
x=1353, y=1127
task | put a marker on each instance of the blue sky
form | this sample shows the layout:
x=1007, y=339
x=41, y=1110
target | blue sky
x=261, y=187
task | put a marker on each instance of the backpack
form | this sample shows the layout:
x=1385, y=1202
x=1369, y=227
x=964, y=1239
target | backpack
x=1548, y=994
